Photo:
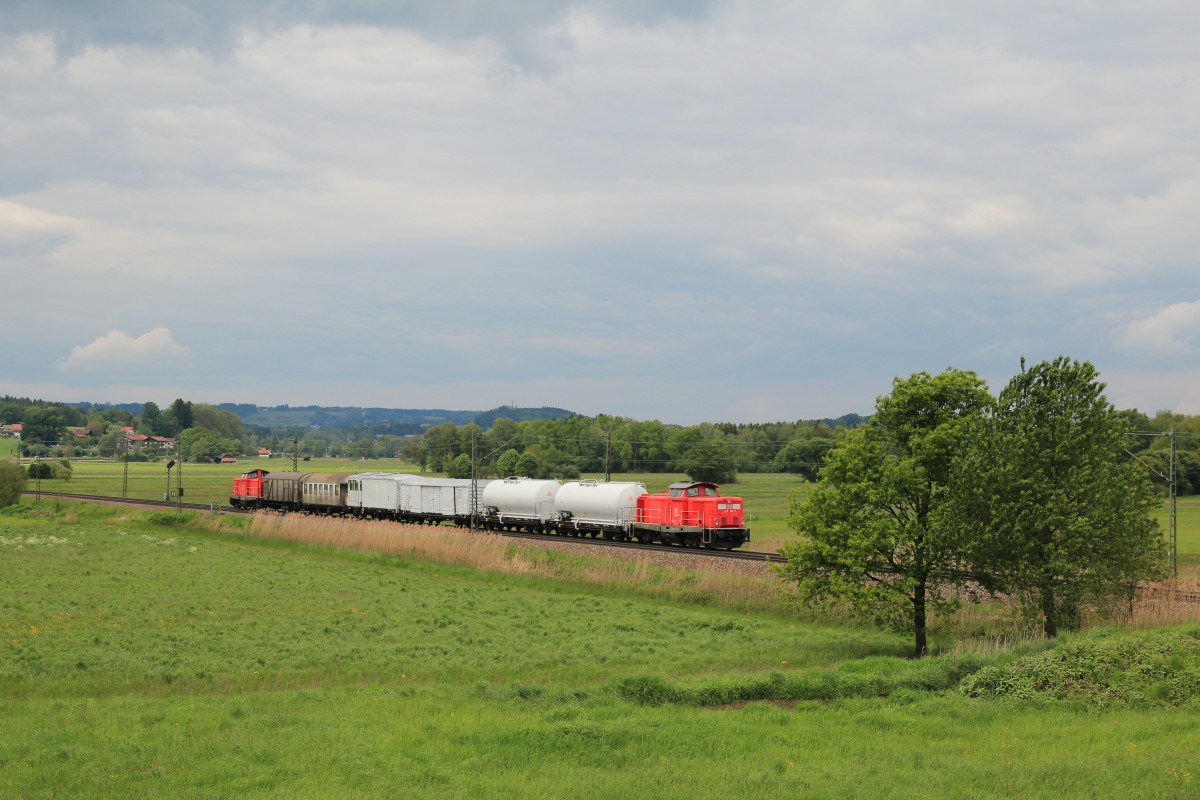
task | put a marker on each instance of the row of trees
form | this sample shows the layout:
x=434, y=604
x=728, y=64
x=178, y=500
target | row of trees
x=1030, y=494
x=569, y=447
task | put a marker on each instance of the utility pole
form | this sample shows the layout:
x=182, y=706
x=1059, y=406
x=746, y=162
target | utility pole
x=607, y=446
x=1172, y=540
x=295, y=454
x=474, y=483
x=125, y=476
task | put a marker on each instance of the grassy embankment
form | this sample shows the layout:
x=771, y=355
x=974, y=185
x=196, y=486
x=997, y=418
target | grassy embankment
x=153, y=656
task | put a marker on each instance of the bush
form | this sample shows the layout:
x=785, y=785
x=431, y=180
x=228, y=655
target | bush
x=12, y=483
x=1156, y=668
x=40, y=469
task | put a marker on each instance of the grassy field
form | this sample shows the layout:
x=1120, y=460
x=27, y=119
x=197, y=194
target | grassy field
x=140, y=657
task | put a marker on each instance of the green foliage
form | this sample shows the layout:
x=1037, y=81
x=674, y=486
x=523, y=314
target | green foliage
x=873, y=677
x=43, y=425
x=506, y=464
x=223, y=423
x=152, y=422
x=203, y=444
x=12, y=483
x=1056, y=516
x=40, y=469
x=709, y=460
x=179, y=416
x=876, y=535
x=460, y=467
x=803, y=457
x=441, y=446
x=1151, y=668
x=528, y=466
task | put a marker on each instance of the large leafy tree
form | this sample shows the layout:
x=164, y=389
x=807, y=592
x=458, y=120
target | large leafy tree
x=875, y=529
x=12, y=483
x=710, y=460
x=43, y=426
x=152, y=423
x=1058, y=517
x=803, y=456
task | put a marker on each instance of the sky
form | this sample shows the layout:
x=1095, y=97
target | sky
x=686, y=211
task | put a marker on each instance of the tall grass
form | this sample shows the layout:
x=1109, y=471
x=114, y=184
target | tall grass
x=493, y=553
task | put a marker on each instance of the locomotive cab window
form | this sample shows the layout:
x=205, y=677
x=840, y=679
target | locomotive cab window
x=710, y=491
x=677, y=493
x=693, y=492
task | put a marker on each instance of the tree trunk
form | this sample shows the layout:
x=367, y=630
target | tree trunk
x=1050, y=625
x=919, y=619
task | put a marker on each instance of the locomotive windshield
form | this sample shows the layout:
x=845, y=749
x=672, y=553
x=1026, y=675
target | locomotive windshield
x=694, y=491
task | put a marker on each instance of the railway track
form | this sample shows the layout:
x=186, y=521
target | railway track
x=735, y=555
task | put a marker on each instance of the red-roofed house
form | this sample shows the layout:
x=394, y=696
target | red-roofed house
x=264, y=453
x=164, y=443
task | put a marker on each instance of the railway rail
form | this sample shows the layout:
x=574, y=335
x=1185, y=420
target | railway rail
x=735, y=555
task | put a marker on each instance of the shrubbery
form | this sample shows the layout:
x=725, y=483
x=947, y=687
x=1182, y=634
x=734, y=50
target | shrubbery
x=39, y=469
x=12, y=483
x=867, y=678
x=1155, y=668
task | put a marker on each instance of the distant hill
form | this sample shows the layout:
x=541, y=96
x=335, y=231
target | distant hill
x=487, y=418
x=400, y=421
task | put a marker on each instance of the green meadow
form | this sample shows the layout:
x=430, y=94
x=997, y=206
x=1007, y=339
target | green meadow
x=163, y=655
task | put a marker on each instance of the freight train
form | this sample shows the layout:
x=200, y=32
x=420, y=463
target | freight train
x=691, y=513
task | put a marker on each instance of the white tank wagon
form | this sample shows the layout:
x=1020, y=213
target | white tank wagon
x=520, y=503
x=376, y=495
x=434, y=500
x=598, y=508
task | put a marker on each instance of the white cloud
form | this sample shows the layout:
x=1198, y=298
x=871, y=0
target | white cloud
x=117, y=349
x=1173, y=331
x=24, y=229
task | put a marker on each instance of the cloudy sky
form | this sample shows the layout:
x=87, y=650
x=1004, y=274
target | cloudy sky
x=688, y=211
